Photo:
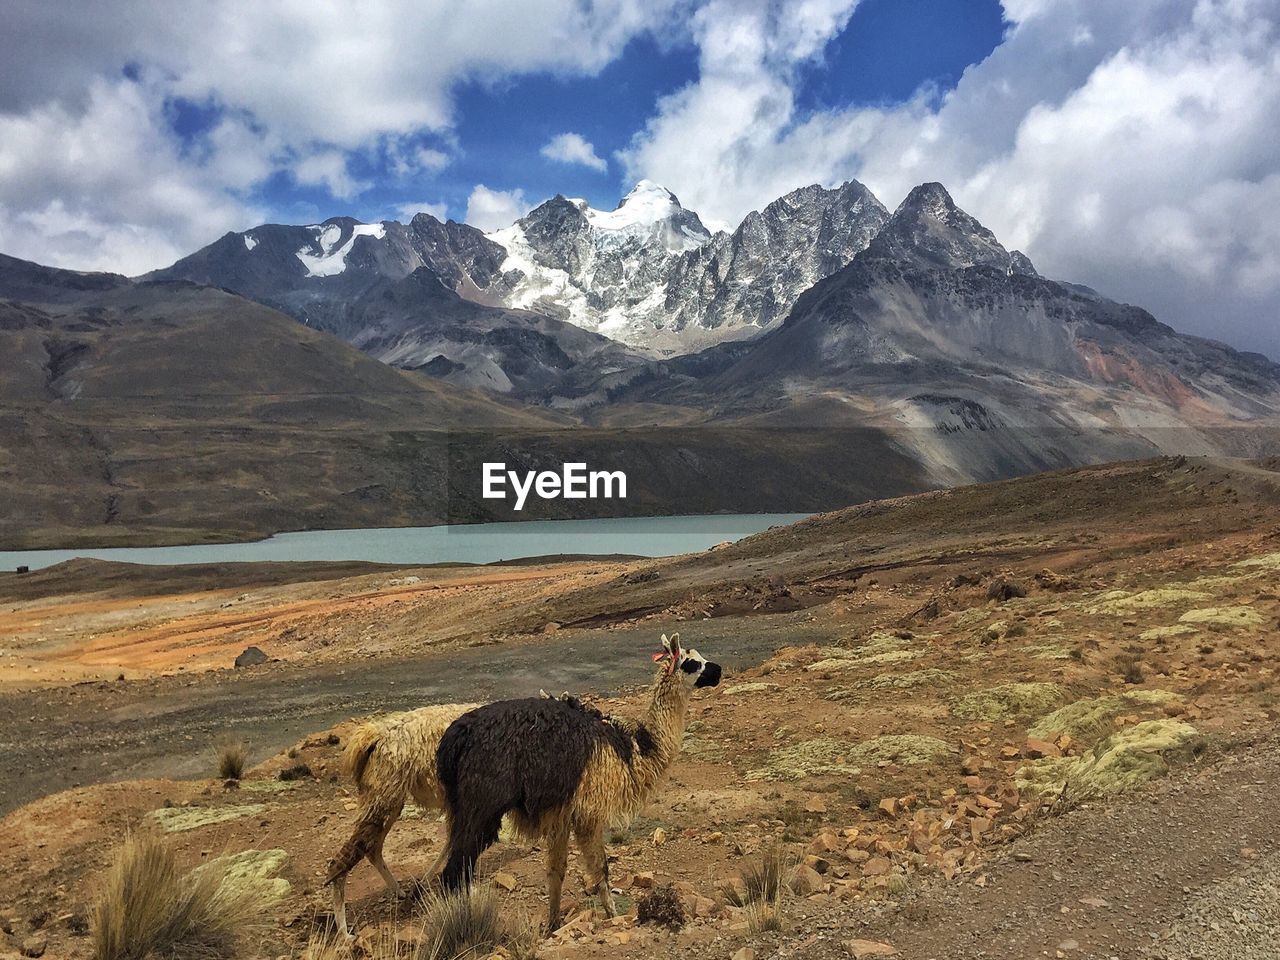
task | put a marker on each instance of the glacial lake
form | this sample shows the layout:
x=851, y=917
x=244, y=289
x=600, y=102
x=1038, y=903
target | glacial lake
x=461, y=543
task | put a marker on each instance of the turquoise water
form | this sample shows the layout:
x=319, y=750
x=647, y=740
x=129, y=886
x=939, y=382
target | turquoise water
x=467, y=543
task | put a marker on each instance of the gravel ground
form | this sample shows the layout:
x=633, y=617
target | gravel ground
x=1234, y=919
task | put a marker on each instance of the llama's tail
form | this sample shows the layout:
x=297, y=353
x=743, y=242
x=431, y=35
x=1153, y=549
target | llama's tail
x=360, y=747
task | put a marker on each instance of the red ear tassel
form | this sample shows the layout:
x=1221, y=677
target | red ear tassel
x=658, y=656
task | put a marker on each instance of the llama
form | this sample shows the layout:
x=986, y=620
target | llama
x=391, y=759
x=559, y=768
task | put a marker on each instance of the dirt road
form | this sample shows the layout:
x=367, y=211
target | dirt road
x=56, y=738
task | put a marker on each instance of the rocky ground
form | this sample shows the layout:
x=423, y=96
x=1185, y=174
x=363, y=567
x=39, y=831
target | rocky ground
x=1039, y=738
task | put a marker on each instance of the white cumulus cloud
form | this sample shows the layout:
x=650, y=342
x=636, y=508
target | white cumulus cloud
x=299, y=88
x=494, y=209
x=1128, y=146
x=573, y=148
x=405, y=212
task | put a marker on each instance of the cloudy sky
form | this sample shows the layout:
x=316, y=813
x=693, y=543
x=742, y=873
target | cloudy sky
x=1128, y=145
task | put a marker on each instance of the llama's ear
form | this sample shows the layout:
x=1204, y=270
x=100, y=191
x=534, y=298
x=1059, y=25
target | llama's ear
x=674, y=646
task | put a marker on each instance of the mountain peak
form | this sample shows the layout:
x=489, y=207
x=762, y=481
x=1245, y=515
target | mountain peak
x=930, y=196
x=646, y=204
x=929, y=228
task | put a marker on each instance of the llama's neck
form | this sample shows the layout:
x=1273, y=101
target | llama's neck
x=665, y=720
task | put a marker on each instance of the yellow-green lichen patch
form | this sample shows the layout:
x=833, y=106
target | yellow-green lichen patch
x=1124, y=760
x=181, y=819
x=972, y=616
x=830, y=756
x=1224, y=617
x=1089, y=720
x=1008, y=700
x=1268, y=561
x=1167, y=633
x=836, y=664
x=904, y=749
x=250, y=874
x=741, y=688
x=880, y=642
x=906, y=681
x=1049, y=651
x=1119, y=602
x=268, y=786
x=824, y=756
x=703, y=750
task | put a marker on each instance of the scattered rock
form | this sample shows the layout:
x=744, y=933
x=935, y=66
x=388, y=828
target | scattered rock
x=804, y=880
x=859, y=949
x=505, y=881
x=251, y=657
x=746, y=953
x=1035, y=749
x=33, y=946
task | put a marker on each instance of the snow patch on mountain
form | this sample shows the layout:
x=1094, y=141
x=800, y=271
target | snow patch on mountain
x=250, y=241
x=533, y=286
x=647, y=209
x=332, y=257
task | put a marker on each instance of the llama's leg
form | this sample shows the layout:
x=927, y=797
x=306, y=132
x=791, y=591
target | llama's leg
x=379, y=864
x=372, y=824
x=469, y=837
x=441, y=860
x=557, y=837
x=340, y=907
x=595, y=864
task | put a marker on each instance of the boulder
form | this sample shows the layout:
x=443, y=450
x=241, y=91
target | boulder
x=251, y=657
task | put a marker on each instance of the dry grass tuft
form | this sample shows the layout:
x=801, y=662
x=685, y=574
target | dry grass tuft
x=233, y=756
x=763, y=885
x=148, y=907
x=467, y=925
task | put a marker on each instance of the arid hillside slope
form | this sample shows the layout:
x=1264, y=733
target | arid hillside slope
x=1022, y=719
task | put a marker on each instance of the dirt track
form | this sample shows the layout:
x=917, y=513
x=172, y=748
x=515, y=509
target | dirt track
x=166, y=727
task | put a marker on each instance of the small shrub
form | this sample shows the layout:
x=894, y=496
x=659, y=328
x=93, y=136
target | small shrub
x=147, y=906
x=661, y=906
x=1002, y=589
x=468, y=924
x=299, y=771
x=1131, y=669
x=233, y=756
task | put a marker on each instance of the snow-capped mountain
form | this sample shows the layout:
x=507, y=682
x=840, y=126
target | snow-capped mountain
x=650, y=274
x=603, y=271
x=647, y=273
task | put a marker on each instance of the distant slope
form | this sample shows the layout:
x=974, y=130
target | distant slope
x=1052, y=519
x=170, y=411
x=163, y=411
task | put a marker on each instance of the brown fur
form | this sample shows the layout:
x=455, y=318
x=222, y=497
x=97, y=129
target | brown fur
x=489, y=769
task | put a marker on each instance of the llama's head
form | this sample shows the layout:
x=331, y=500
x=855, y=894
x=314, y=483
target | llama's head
x=690, y=666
